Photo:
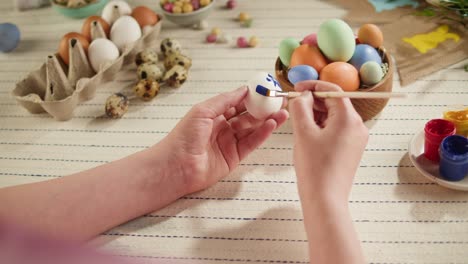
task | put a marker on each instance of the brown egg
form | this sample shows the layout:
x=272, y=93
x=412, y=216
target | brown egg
x=310, y=55
x=144, y=16
x=370, y=34
x=342, y=74
x=86, y=29
x=63, y=47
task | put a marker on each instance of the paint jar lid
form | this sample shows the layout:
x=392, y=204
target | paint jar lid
x=455, y=148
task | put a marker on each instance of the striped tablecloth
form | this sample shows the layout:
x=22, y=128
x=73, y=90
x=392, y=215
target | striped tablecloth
x=254, y=214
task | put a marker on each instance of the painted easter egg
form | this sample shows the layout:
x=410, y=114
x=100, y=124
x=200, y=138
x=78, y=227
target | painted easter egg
x=370, y=34
x=336, y=40
x=310, y=39
x=64, y=43
x=301, y=73
x=371, y=73
x=102, y=52
x=9, y=37
x=115, y=9
x=308, y=55
x=363, y=54
x=342, y=74
x=286, y=49
x=125, y=30
x=258, y=105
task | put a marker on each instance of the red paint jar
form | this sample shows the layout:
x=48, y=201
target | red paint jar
x=435, y=131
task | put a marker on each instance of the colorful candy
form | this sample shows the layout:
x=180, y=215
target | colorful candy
x=183, y=6
x=242, y=42
x=231, y=4
x=211, y=38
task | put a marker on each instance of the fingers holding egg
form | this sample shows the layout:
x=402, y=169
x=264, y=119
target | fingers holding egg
x=260, y=106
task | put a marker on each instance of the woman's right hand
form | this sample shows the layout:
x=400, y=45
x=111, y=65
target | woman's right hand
x=329, y=138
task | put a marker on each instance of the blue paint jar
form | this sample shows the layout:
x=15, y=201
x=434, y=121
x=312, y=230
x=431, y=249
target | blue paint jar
x=453, y=164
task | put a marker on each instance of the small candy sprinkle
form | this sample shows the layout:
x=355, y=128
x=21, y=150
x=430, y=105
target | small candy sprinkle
x=187, y=8
x=205, y=2
x=168, y=7
x=224, y=38
x=247, y=23
x=243, y=16
x=242, y=42
x=201, y=25
x=211, y=38
x=253, y=41
x=177, y=9
x=195, y=4
x=231, y=4
x=216, y=31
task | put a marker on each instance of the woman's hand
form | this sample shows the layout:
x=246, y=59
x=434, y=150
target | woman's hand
x=330, y=139
x=214, y=137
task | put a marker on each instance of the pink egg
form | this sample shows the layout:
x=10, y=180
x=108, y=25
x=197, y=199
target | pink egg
x=310, y=39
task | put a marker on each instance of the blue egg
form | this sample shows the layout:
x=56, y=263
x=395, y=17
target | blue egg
x=9, y=37
x=301, y=73
x=363, y=54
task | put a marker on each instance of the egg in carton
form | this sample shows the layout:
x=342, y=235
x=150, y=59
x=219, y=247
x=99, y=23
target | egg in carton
x=57, y=89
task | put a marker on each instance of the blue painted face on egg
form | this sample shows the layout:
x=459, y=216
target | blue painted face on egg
x=301, y=73
x=9, y=37
x=363, y=54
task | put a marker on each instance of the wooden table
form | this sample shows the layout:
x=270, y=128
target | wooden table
x=254, y=214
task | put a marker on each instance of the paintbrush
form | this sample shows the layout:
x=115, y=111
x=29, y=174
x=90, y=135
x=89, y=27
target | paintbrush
x=364, y=95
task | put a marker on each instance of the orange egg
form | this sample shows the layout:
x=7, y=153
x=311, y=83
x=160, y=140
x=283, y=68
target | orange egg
x=370, y=34
x=86, y=28
x=144, y=16
x=63, y=47
x=342, y=74
x=308, y=55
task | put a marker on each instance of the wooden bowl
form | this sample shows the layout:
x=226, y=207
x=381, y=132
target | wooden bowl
x=367, y=108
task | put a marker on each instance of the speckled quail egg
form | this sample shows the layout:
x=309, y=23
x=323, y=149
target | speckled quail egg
x=149, y=71
x=176, y=76
x=170, y=46
x=147, y=55
x=146, y=89
x=177, y=59
x=116, y=105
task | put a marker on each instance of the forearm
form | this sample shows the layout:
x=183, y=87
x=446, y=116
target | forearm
x=85, y=204
x=330, y=231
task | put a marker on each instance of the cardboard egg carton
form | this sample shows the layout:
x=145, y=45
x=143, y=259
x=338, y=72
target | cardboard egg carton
x=57, y=89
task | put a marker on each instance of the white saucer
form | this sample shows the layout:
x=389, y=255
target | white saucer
x=428, y=168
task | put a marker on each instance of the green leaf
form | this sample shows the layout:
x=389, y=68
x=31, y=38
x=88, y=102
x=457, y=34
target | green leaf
x=466, y=68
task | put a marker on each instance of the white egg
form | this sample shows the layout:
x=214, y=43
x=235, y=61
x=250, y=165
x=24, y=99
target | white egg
x=260, y=106
x=125, y=30
x=115, y=9
x=101, y=52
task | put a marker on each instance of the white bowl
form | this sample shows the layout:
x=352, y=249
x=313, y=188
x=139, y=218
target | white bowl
x=429, y=169
x=189, y=19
